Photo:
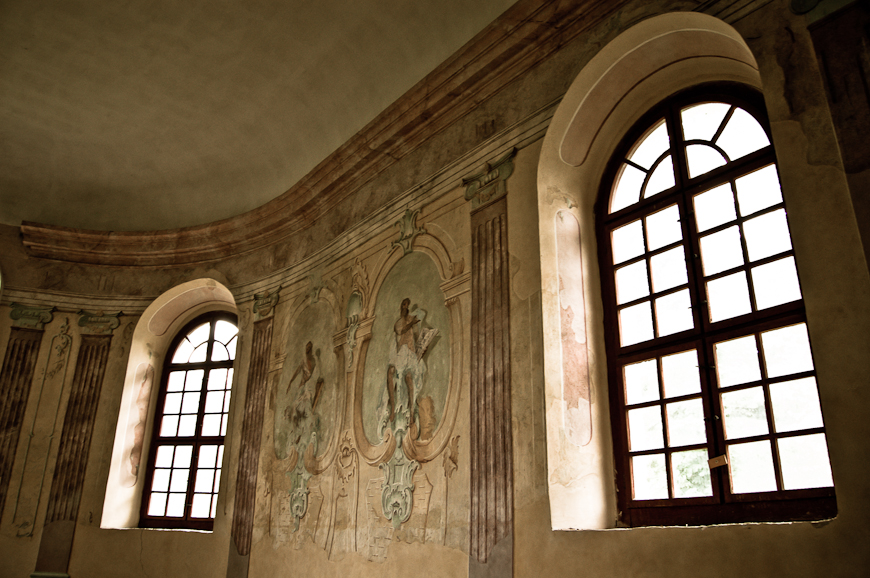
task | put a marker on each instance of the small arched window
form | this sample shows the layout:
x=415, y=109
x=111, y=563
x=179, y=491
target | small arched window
x=187, y=446
x=715, y=409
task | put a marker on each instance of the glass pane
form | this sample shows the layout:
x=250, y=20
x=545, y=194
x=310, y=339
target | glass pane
x=224, y=425
x=211, y=424
x=214, y=501
x=635, y=324
x=691, y=474
x=651, y=146
x=751, y=467
x=157, y=505
x=758, y=190
x=721, y=251
x=744, y=413
x=217, y=480
x=204, y=481
x=179, y=481
x=669, y=269
x=190, y=403
x=182, y=352
x=227, y=401
x=804, y=462
x=627, y=242
x=701, y=121
x=796, y=405
x=220, y=459
x=169, y=426
x=198, y=355
x=627, y=190
x=686, y=423
x=674, y=313
x=173, y=403
x=217, y=379
x=230, y=378
x=175, y=507
x=641, y=382
x=200, y=334
x=201, y=506
x=176, y=381
x=224, y=331
x=631, y=282
x=662, y=178
x=650, y=481
x=207, y=456
x=663, y=228
x=182, y=456
x=164, y=457
x=737, y=361
x=219, y=352
x=742, y=135
x=728, y=297
x=767, y=235
x=787, y=350
x=703, y=159
x=214, y=402
x=776, y=283
x=645, y=429
x=680, y=373
x=231, y=347
x=187, y=426
x=160, y=482
x=194, y=380
x=714, y=207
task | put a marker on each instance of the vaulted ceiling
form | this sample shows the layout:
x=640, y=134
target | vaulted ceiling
x=142, y=115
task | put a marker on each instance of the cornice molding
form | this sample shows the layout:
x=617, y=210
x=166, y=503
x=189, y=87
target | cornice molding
x=517, y=41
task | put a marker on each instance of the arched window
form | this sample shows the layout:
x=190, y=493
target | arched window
x=184, y=464
x=715, y=410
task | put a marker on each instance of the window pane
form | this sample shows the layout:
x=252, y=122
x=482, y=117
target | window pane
x=214, y=501
x=742, y=135
x=190, y=403
x=207, y=456
x=650, y=481
x=176, y=381
x=767, y=235
x=635, y=324
x=703, y=159
x=796, y=405
x=160, y=482
x=227, y=401
x=219, y=352
x=187, y=426
x=674, y=313
x=194, y=380
x=231, y=347
x=721, y=251
x=662, y=178
x=686, y=423
x=201, y=506
x=641, y=382
x=744, y=413
x=217, y=379
x=224, y=425
x=627, y=189
x=182, y=456
x=714, y=207
x=691, y=474
x=172, y=404
x=214, y=402
x=179, y=481
x=169, y=426
x=211, y=424
x=651, y=146
x=204, y=481
x=804, y=462
x=663, y=228
x=680, y=373
x=751, y=467
x=627, y=242
x=737, y=361
x=199, y=335
x=758, y=190
x=631, y=282
x=182, y=352
x=175, y=507
x=787, y=350
x=157, y=505
x=776, y=283
x=164, y=456
x=224, y=331
x=669, y=269
x=728, y=297
x=701, y=121
x=198, y=355
x=645, y=429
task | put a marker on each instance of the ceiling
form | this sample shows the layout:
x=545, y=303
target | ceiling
x=142, y=115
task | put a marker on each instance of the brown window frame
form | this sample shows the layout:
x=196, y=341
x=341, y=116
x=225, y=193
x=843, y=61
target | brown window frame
x=723, y=506
x=185, y=522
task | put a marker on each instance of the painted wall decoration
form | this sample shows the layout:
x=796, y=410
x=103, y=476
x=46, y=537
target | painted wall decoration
x=307, y=401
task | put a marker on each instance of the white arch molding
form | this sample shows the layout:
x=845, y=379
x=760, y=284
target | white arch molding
x=639, y=68
x=151, y=338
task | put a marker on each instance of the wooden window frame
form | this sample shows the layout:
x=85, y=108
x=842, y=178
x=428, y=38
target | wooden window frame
x=197, y=440
x=722, y=507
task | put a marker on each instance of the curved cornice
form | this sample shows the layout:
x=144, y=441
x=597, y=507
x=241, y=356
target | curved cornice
x=515, y=42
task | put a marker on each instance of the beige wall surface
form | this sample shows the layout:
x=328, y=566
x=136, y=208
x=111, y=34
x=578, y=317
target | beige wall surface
x=408, y=232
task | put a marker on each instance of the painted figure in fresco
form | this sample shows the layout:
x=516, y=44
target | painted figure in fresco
x=407, y=369
x=300, y=413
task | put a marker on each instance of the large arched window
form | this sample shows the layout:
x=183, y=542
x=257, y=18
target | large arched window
x=184, y=465
x=715, y=411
